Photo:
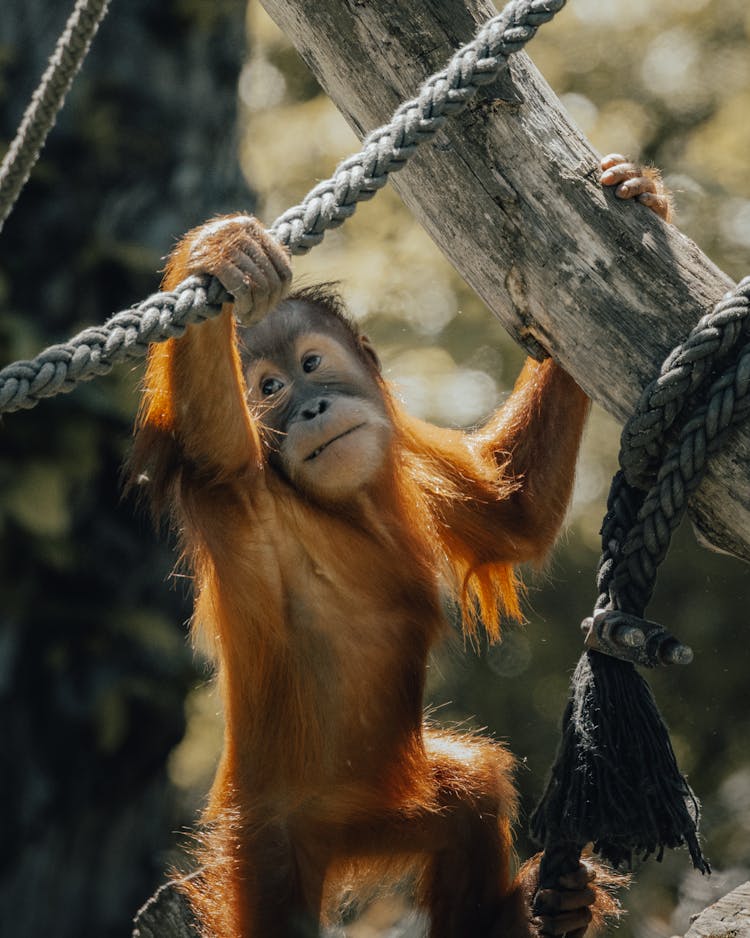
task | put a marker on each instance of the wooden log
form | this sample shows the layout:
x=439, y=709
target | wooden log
x=166, y=915
x=509, y=191
x=729, y=917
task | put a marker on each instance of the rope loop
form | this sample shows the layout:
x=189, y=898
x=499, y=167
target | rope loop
x=684, y=373
x=662, y=460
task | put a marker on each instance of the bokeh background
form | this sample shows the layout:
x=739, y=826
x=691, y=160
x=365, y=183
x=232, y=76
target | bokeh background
x=185, y=109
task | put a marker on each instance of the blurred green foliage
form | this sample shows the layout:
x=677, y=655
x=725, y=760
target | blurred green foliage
x=94, y=663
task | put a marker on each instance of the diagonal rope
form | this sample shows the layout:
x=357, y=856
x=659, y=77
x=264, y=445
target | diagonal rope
x=447, y=93
x=387, y=149
x=47, y=100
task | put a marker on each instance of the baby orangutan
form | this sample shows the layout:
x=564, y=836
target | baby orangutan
x=320, y=522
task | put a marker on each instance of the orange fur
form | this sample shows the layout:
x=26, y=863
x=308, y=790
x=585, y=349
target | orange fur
x=321, y=616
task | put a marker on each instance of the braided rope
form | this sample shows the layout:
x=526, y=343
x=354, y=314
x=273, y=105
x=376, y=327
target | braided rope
x=683, y=372
x=97, y=350
x=642, y=515
x=47, y=100
x=327, y=205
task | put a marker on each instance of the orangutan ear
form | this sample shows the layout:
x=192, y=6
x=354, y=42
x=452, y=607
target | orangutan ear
x=369, y=349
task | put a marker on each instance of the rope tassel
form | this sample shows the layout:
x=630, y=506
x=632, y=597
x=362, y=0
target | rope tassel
x=615, y=782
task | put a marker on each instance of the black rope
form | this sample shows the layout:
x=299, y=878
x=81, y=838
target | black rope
x=615, y=782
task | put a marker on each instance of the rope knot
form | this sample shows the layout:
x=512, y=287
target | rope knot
x=631, y=638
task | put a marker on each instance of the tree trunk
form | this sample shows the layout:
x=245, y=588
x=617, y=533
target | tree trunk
x=509, y=191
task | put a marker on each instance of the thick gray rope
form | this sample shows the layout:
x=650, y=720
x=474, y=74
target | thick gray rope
x=47, y=100
x=95, y=351
x=328, y=205
x=649, y=496
x=388, y=148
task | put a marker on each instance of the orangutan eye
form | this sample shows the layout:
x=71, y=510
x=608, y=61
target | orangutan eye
x=270, y=386
x=310, y=363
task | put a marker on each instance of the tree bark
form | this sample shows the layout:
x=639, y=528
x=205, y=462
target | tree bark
x=727, y=918
x=509, y=191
